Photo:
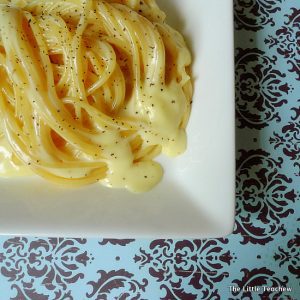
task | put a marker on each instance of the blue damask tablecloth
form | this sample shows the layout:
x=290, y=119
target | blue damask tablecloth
x=261, y=259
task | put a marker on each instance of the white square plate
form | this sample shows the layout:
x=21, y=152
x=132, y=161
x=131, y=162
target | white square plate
x=196, y=196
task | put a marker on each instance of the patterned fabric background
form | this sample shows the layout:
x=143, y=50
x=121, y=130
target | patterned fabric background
x=261, y=259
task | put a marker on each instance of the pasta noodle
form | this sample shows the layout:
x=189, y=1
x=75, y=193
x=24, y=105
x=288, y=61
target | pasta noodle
x=91, y=91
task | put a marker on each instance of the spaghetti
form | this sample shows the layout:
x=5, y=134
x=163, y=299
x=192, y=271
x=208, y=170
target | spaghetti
x=91, y=91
